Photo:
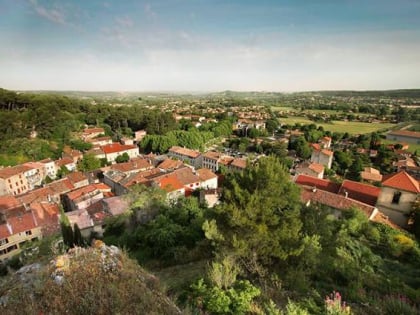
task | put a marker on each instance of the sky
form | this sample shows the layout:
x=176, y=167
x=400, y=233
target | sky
x=209, y=45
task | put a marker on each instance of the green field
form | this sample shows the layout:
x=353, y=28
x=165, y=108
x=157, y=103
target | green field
x=314, y=111
x=352, y=127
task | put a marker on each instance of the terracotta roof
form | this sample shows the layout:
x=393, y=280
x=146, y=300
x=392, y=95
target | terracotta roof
x=47, y=216
x=334, y=201
x=184, y=151
x=116, y=205
x=362, y=192
x=64, y=161
x=403, y=181
x=76, y=177
x=316, y=167
x=375, y=177
x=132, y=165
x=237, y=162
x=8, y=202
x=12, y=171
x=81, y=217
x=213, y=155
x=327, y=152
x=205, y=174
x=81, y=191
x=322, y=184
x=406, y=133
x=117, y=147
x=170, y=183
x=169, y=164
x=139, y=178
x=37, y=195
x=22, y=223
x=61, y=186
x=316, y=146
x=186, y=176
x=4, y=231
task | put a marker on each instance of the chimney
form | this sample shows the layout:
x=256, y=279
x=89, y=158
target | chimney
x=314, y=189
x=346, y=194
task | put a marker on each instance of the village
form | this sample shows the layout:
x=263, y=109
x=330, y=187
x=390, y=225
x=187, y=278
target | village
x=30, y=205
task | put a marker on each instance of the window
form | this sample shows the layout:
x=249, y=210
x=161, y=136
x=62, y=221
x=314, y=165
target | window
x=396, y=197
x=28, y=232
x=4, y=241
x=10, y=248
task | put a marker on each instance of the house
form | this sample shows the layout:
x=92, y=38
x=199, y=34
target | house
x=139, y=135
x=322, y=156
x=192, y=157
x=311, y=169
x=78, y=179
x=171, y=184
x=50, y=168
x=398, y=193
x=237, y=165
x=121, y=182
x=47, y=217
x=90, y=133
x=212, y=160
x=188, y=178
x=97, y=152
x=365, y=193
x=97, y=142
x=15, y=232
x=208, y=179
x=115, y=205
x=112, y=151
x=133, y=166
x=321, y=184
x=170, y=165
x=66, y=162
x=325, y=142
x=83, y=220
x=371, y=175
x=13, y=180
x=75, y=155
x=342, y=203
x=404, y=136
x=83, y=197
x=210, y=197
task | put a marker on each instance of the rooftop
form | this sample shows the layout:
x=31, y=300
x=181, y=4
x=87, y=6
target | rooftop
x=117, y=147
x=405, y=133
x=403, y=181
x=322, y=184
x=184, y=151
x=362, y=192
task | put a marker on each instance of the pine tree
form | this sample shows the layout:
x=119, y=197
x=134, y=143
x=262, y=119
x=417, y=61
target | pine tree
x=78, y=238
x=66, y=230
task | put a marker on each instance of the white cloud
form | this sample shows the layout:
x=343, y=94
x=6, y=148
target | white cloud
x=54, y=15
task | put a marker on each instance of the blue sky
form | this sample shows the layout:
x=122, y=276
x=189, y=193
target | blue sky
x=209, y=45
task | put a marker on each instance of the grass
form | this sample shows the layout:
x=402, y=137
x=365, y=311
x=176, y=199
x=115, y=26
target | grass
x=352, y=127
x=175, y=279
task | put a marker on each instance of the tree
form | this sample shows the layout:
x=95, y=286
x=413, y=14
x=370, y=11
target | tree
x=256, y=223
x=302, y=148
x=122, y=158
x=78, y=238
x=89, y=163
x=66, y=230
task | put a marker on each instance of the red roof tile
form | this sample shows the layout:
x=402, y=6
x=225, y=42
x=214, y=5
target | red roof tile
x=76, y=177
x=362, y=192
x=334, y=201
x=170, y=164
x=22, y=223
x=205, y=174
x=403, y=181
x=116, y=147
x=322, y=184
x=170, y=183
x=8, y=202
x=185, y=151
